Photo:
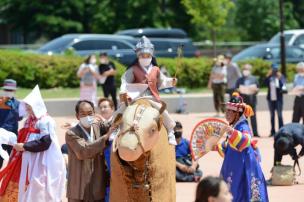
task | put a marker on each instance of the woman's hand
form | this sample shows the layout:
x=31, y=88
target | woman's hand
x=19, y=147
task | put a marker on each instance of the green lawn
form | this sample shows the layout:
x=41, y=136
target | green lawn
x=74, y=92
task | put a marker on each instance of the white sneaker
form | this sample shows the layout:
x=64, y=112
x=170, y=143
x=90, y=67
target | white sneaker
x=171, y=138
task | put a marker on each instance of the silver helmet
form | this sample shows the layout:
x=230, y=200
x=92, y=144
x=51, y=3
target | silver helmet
x=144, y=45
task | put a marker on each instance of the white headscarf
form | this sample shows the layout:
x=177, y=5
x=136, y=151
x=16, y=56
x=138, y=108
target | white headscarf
x=34, y=99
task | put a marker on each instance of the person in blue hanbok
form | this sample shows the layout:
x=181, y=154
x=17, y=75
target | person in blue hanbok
x=241, y=166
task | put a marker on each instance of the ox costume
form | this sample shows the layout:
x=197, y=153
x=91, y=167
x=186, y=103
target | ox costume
x=145, y=79
x=38, y=173
x=241, y=168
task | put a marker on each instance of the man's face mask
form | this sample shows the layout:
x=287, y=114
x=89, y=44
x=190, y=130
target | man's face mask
x=87, y=121
x=246, y=72
x=9, y=94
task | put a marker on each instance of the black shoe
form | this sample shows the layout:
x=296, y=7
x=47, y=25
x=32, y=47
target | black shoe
x=256, y=135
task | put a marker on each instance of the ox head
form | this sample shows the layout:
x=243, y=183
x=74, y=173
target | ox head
x=139, y=131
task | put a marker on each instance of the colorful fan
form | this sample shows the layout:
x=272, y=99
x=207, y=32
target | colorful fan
x=205, y=136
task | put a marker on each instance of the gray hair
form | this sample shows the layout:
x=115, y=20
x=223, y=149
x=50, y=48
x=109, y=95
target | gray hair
x=300, y=65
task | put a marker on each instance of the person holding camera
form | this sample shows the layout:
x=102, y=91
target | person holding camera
x=89, y=74
x=275, y=83
x=217, y=82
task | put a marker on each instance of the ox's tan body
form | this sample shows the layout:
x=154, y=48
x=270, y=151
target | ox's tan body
x=161, y=173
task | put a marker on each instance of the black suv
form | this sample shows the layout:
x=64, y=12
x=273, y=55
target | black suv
x=117, y=47
x=166, y=41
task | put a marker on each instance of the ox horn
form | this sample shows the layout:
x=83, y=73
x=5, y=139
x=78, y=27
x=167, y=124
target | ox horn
x=163, y=107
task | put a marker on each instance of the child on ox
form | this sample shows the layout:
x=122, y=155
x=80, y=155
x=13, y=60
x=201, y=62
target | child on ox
x=143, y=79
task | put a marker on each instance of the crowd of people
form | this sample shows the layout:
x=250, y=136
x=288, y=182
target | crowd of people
x=226, y=77
x=36, y=169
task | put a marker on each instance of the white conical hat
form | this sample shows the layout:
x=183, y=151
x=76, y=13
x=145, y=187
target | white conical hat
x=34, y=99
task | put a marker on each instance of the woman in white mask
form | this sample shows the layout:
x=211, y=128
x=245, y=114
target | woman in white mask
x=248, y=86
x=89, y=75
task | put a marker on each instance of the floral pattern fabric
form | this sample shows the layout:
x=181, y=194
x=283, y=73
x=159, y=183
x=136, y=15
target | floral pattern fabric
x=242, y=171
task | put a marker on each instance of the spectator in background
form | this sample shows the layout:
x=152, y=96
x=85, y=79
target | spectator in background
x=275, y=83
x=88, y=73
x=9, y=111
x=233, y=73
x=298, y=83
x=212, y=189
x=164, y=70
x=106, y=108
x=186, y=168
x=248, y=88
x=107, y=71
x=217, y=81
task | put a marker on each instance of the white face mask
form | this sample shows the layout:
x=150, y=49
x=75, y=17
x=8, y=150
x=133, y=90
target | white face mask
x=9, y=94
x=246, y=72
x=86, y=121
x=145, y=62
x=93, y=61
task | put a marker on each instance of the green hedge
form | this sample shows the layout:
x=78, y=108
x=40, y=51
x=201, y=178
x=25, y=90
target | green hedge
x=60, y=71
x=29, y=69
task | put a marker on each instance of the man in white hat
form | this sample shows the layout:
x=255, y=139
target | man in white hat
x=9, y=110
x=145, y=79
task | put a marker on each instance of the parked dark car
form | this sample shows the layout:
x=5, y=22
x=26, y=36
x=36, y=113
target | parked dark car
x=270, y=52
x=166, y=41
x=154, y=33
x=117, y=47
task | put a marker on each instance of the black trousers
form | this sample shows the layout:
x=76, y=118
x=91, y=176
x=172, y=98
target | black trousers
x=219, y=90
x=7, y=148
x=110, y=90
x=275, y=106
x=252, y=101
x=298, y=109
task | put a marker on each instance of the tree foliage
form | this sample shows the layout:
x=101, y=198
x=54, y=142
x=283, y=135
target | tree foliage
x=260, y=18
x=231, y=19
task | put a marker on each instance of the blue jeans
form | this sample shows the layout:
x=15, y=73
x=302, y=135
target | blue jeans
x=275, y=106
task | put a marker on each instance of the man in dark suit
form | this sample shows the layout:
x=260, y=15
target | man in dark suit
x=285, y=141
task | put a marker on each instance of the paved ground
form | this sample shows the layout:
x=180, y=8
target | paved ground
x=211, y=163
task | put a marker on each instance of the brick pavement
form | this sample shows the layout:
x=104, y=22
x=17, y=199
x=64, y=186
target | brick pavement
x=211, y=163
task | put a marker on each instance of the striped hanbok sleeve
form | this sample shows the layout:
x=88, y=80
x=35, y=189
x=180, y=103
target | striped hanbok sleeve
x=221, y=148
x=239, y=141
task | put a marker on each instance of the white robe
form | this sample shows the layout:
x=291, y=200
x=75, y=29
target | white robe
x=45, y=171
